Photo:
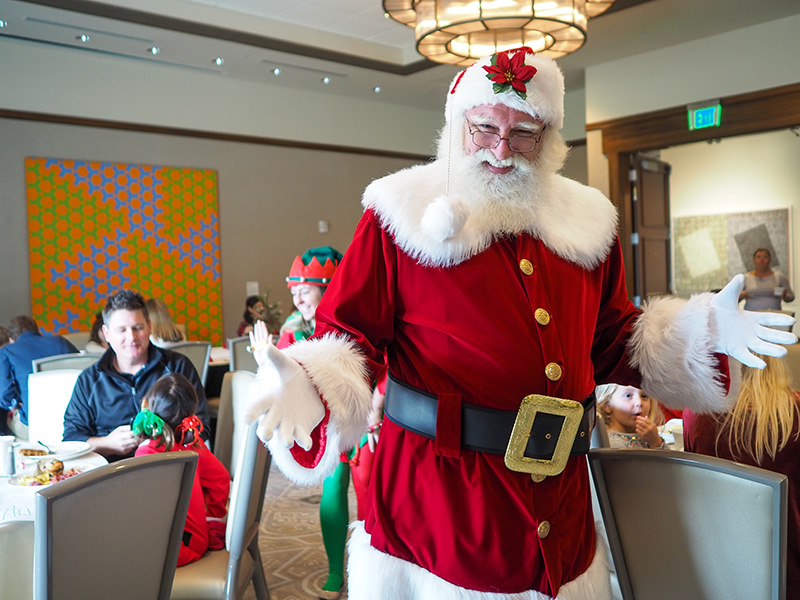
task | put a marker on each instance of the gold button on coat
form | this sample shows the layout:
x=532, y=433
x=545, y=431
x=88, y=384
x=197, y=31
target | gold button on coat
x=553, y=371
x=544, y=529
x=538, y=477
x=525, y=266
x=542, y=316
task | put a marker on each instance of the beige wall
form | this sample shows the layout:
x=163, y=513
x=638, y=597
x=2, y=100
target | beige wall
x=268, y=204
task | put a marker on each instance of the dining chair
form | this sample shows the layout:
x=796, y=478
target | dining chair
x=237, y=387
x=599, y=437
x=16, y=560
x=79, y=339
x=199, y=353
x=64, y=361
x=226, y=574
x=241, y=359
x=114, y=531
x=683, y=525
x=49, y=393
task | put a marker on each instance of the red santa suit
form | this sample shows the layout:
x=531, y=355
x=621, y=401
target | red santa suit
x=480, y=318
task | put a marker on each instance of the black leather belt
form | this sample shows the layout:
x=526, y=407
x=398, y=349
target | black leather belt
x=484, y=429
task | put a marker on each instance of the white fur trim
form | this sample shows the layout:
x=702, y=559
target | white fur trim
x=338, y=370
x=373, y=574
x=672, y=347
x=576, y=222
x=544, y=98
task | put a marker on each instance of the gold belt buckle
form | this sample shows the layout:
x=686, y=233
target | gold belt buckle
x=539, y=468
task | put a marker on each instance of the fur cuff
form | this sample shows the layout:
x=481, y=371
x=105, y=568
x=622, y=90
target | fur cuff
x=673, y=349
x=339, y=373
x=373, y=574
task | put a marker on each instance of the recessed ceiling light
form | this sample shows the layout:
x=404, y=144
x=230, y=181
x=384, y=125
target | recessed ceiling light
x=3, y=23
x=377, y=89
x=326, y=80
x=83, y=38
x=218, y=61
x=276, y=71
x=154, y=50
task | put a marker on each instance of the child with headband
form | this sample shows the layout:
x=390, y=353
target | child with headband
x=167, y=423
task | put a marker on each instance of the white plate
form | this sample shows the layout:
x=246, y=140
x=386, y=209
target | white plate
x=61, y=450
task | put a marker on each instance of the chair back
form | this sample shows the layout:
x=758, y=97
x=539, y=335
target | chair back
x=237, y=387
x=197, y=352
x=683, y=525
x=241, y=359
x=244, y=515
x=79, y=339
x=599, y=435
x=64, y=361
x=113, y=532
x=49, y=393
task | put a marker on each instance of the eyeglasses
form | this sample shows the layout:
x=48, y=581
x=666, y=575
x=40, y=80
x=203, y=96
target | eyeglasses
x=517, y=143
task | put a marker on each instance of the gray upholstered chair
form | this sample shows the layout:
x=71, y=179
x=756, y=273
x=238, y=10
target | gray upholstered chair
x=237, y=387
x=64, y=361
x=114, y=531
x=241, y=359
x=226, y=574
x=683, y=525
x=197, y=352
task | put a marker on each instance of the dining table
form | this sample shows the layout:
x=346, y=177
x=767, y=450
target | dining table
x=218, y=364
x=18, y=511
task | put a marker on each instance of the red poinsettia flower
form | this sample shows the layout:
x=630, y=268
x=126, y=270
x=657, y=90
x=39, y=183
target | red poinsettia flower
x=508, y=70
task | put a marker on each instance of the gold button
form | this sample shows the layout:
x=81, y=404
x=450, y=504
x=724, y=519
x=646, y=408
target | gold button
x=553, y=371
x=525, y=266
x=538, y=477
x=544, y=529
x=542, y=316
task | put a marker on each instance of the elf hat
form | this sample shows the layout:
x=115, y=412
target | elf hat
x=516, y=78
x=315, y=267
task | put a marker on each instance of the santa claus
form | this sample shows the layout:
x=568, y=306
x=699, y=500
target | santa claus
x=495, y=290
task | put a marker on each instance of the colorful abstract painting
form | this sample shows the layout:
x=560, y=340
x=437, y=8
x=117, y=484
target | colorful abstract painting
x=97, y=227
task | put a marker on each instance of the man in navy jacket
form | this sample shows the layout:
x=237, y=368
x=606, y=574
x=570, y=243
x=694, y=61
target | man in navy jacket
x=108, y=394
x=26, y=344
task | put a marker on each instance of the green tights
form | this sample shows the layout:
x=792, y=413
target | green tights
x=334, y=518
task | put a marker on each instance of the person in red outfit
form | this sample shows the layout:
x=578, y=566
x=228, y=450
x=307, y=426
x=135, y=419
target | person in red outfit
x=494, y=288
x=763, y=430
x=167, y=423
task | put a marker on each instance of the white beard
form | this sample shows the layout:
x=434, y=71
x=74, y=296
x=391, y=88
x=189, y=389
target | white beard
x=503, y=203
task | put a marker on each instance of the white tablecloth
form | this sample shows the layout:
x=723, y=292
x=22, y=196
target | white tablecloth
x=17, y=502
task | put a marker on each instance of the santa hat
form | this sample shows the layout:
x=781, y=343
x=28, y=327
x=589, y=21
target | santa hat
x=519, y=79
x=315, y=267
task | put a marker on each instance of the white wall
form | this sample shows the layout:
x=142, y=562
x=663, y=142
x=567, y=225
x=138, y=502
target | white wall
x=741, y=174
x=755, y=58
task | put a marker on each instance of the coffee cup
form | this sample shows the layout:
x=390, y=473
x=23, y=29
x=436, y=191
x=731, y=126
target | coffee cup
x=6, y=455
x=677, y=434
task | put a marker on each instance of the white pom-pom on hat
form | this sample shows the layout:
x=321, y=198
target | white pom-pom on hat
x=444, y=218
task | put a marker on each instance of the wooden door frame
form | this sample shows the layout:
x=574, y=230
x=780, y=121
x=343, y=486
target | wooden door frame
x=753, y=112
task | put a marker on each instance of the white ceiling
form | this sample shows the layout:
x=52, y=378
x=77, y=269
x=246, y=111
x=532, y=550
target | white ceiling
x=349, y=41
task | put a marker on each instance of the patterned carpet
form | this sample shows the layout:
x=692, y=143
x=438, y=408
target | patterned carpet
x=290, y=540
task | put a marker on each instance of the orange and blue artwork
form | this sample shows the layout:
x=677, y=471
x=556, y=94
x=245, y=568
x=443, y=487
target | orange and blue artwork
x=95, y=228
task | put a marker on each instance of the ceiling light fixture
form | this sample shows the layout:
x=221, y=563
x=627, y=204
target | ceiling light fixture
x=377, y=89
x=326, y=80
x=83, y=38
x=458, y=32
x=3, y=24
x=219, y=61
x=154, y=50
x=276, y=71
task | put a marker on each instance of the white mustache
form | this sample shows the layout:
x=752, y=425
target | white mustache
x=515, y=160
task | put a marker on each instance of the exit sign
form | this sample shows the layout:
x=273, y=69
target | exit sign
x=702, y=116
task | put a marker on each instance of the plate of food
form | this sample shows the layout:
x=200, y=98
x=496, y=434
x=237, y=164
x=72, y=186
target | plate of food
x=56, y=450
x=47, y=471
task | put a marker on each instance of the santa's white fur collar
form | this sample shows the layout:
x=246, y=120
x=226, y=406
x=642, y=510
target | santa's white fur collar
x=576, y=222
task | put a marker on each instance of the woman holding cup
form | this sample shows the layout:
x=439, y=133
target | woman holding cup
x=764, y=288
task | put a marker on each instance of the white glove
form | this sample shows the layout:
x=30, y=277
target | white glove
x=739, y=333
x=289, y=401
